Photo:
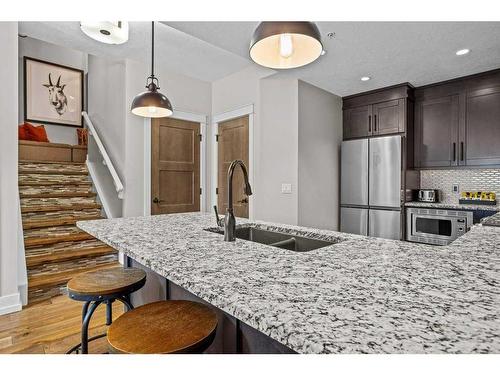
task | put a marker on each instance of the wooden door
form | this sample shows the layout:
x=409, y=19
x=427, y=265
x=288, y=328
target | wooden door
x=232, y=144
x=436, y=131
x=175, y=166
x=482, y=143
x=388, y=117
x=357, y=122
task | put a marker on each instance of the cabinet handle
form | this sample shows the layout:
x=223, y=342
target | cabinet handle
x=375, y=123
x=369, y=123
x=454, y=151
x=462, y=151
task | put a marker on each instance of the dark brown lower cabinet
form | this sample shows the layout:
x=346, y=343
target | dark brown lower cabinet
x=482, y=146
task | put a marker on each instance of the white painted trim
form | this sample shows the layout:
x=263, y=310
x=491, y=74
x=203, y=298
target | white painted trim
x=147, y=167
x=235, y=113
x=247, y=110
x=98, y=187
x=188, y=116
x=180, y=115
x=10, y=303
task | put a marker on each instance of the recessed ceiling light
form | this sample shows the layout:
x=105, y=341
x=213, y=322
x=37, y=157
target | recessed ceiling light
x=366, y=78
x=461, y=52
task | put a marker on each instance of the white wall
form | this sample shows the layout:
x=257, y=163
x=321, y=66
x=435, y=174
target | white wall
x=186, y=94
x=294, y=123
x=9, y=215
x=277, y=151
x=107, y=105
x=38, y=49
x=320, y=136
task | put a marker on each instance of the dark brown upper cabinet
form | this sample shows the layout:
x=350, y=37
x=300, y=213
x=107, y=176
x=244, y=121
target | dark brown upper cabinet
x=378, y=112
x=482, y=136
x=357, y=122
x=457, y=123
x=436, y=131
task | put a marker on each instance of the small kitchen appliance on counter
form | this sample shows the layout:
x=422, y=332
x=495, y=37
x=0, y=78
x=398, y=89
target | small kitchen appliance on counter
x=428, y=195
x=487, y=198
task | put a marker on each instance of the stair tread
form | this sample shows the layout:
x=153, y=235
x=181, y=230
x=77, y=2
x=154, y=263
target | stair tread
x=55, y=191
x=52, y=168
x=57, y=204
x=34, y=179
x=54, y=234
x=56, y=218
x=62, y=277
x=63, y=251
x=24, y=161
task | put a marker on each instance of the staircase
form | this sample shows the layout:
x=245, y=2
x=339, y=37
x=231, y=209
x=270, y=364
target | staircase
x=54, y=196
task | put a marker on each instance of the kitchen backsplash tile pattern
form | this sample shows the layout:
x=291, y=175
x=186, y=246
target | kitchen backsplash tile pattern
x=467, y=179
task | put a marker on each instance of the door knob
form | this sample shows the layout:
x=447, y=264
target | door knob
x=156, y=200
x=244, y=200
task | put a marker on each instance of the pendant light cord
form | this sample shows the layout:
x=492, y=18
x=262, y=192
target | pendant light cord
x=152, y=48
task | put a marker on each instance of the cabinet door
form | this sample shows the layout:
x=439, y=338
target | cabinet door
x=482, y=143
x=388, y=117
x=436, y=131
x=357, y=122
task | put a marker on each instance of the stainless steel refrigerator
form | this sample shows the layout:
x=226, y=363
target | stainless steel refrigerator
x=370, y=195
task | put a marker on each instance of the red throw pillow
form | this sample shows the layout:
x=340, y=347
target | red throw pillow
x=82, y=135
x=37, y=133
x=23, y=133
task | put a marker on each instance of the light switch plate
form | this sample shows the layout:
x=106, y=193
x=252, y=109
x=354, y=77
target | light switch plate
x=286, y=188
x=455, y=188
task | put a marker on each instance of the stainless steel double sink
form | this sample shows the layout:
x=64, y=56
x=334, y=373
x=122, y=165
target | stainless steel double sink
x=278, y=239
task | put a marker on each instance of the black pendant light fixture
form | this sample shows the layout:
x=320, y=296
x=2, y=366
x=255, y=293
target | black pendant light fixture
x=152, y=103
x=285, y=44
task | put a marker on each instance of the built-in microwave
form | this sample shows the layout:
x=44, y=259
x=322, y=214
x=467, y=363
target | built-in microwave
x=436, y=226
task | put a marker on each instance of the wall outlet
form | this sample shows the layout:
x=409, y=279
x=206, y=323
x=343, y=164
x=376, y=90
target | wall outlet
x=455, y=189
x=286, y=188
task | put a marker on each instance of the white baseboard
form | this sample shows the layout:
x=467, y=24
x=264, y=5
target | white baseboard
x=10, y=303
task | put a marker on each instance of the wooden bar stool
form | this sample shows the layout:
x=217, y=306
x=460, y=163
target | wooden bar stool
x=103, y=286
x=164, y=327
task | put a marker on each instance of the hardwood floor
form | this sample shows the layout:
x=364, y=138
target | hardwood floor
x=52, y=326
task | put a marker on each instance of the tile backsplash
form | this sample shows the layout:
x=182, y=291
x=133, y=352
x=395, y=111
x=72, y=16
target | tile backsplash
x=467, y=180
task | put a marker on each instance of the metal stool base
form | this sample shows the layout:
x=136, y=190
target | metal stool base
x=90, y=305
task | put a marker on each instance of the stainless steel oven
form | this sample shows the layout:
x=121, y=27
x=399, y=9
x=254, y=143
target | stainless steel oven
x=436, y=226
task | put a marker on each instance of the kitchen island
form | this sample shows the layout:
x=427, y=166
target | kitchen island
x=359, y=295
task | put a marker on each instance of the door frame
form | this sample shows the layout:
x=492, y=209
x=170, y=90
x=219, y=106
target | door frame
x=247, y=110
x=179, y=115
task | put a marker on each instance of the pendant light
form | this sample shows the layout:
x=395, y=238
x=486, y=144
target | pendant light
x=285, y=45
x=151, y=103
x=109, y=32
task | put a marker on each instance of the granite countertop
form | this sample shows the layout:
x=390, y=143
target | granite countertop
x=457, y=206
x=361, y=295
x=493, y=220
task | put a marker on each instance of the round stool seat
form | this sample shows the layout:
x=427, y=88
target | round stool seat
x=163, y=327
x=106, y=282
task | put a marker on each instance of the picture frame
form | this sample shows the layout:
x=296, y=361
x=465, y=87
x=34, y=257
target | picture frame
x=53, y=93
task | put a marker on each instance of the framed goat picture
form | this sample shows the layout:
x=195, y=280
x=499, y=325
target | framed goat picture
x=53, y=94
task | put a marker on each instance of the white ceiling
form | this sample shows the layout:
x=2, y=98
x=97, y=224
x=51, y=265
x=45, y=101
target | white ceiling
x=174, y=50
x=389, y=52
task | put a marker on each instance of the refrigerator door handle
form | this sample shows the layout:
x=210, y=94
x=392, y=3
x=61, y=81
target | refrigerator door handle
x=369, y=123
